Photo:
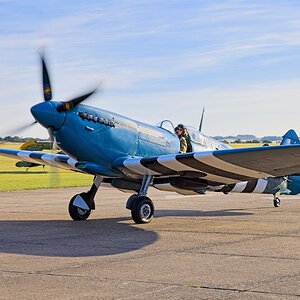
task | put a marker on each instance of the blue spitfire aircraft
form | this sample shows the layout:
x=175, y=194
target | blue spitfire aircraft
x=131, y=155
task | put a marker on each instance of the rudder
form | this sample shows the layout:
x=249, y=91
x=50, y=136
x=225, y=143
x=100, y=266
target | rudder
x=290, y=138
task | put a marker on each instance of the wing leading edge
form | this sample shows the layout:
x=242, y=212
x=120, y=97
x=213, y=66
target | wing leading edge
x=60, y=161
x=222, y=166
x=42, y=158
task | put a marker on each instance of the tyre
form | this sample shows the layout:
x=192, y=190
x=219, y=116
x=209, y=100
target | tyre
x=77, y=213
x=130, y=201
x=142, y=210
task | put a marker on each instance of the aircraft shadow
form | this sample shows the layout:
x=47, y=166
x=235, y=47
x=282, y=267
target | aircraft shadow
x=73, y=239
x=90, y=238
x=199, y=213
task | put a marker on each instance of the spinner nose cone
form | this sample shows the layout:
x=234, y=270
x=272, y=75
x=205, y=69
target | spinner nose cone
x=47, y=115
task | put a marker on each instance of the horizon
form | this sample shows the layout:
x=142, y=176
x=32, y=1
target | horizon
x=243, y=136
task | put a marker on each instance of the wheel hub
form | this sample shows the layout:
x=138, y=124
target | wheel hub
x=145, y=211
x=81, y=211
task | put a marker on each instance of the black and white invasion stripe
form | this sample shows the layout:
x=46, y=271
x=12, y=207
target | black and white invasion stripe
x=257, y=186
x=202, y=164
x=43, y=158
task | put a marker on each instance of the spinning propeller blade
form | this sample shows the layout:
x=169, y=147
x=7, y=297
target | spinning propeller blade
x=21, y=128
x=54, y=173
x=47, y=90
x=66, y=106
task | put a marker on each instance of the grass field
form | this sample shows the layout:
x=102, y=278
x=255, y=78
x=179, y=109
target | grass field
x=250, y=145
x=13, y=178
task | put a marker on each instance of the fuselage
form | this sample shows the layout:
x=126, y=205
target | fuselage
x=99, y=136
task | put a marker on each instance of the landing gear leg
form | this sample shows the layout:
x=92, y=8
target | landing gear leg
x=142, y=208
x=276, y=201
x=80, y=205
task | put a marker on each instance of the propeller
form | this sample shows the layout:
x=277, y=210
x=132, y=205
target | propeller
x=47, y=90
x=21, y=128
x=47, y=94
x=67, y=105
x=54, y=175
x=54, y=178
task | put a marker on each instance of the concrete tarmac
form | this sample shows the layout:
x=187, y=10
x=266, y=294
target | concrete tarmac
x=205, y=247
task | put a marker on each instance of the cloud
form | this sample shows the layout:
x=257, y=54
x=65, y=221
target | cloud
x=155, y=56
x=262, y=109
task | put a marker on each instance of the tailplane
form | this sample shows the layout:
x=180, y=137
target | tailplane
x=290, y=138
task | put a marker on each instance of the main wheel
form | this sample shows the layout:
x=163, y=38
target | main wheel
x=142, y=210
x=276, y=202
x=77, y=213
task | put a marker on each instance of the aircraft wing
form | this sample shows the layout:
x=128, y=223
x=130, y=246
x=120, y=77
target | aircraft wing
x=42, y=158
x=221, y=166
x=59, y=161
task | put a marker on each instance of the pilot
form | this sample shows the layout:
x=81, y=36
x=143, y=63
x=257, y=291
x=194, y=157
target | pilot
x=179, y=130
x=184, y=138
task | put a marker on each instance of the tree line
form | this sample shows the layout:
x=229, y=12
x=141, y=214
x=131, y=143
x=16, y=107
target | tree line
x=18, y=139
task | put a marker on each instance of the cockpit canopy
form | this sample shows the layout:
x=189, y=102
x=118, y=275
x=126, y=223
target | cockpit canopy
x=202, y=142
x=167, y=125
x=199, y=141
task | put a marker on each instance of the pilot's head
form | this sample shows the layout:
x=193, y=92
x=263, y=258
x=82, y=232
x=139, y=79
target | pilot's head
x=179, y=130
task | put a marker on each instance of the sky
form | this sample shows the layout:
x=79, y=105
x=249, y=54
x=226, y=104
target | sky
x=157, y=60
